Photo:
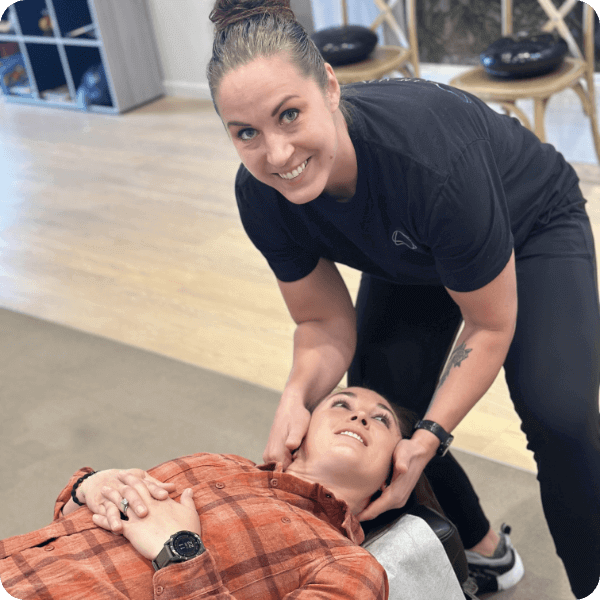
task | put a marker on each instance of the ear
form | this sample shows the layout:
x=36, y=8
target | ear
x=333, y=89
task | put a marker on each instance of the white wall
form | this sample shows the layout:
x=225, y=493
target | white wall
x=184, y=38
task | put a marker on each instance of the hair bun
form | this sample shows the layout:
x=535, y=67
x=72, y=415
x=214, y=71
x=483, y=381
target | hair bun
x=228, y=12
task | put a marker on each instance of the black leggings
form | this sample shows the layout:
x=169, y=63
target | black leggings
x=552, y=371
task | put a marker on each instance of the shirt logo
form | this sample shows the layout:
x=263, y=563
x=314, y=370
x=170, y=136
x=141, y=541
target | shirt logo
x=401, y=239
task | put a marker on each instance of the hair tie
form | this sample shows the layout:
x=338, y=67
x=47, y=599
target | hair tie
x=228, y=13
x=77, y=484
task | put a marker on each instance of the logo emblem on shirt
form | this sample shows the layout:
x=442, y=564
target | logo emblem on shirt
x=401, y=239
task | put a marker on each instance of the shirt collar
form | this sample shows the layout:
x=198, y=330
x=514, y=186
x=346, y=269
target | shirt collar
x=336, y=512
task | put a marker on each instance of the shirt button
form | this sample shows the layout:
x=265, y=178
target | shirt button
x=219, y=485
x=49, y=548
x=286, y=520
x=159, y=590
x=274, y=482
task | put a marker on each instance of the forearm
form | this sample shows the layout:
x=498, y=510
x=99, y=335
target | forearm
x=77, y=496
x=64, y=505
x=471, y=369
x=323, y=351
x=69, y=507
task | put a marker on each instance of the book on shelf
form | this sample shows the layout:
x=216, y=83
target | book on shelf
x=20, y=90
x=5, y=26
x=88, y=31
x=8, y=49
x=59, y=94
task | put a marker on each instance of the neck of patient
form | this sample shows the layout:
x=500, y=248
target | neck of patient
x=343, y=483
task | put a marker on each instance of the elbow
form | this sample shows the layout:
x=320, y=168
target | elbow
x=500, y=333
x=342, y=329
x=337, y=331
x=511, y=320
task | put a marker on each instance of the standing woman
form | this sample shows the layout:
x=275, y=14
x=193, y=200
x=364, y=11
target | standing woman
x=452, y=212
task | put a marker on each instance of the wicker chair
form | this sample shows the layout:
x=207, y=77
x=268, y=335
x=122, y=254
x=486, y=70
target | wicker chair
x=386, y=59
x=576, y=72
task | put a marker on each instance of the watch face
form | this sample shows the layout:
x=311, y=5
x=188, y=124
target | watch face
x=186, y=545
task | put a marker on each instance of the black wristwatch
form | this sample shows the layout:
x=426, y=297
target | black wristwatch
x=181, y=546
x=437, y=430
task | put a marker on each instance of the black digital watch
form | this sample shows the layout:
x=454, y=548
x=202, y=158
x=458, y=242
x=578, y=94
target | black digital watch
x=437, y=430
x=181, y=546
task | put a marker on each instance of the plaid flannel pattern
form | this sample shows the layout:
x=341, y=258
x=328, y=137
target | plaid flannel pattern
x=269, y=535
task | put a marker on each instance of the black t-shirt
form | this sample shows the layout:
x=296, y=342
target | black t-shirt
x=446, y=189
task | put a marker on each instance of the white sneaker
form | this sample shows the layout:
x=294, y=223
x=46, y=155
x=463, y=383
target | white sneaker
x=500, y=571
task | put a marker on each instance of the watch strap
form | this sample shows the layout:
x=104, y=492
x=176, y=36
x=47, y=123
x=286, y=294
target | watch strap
x=165, y=557
x=437, y=430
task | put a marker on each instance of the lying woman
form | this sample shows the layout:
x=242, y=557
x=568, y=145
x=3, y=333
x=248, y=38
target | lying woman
x=219, y=526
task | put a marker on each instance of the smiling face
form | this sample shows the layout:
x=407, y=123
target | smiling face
x=285, y=128
x=354, y=429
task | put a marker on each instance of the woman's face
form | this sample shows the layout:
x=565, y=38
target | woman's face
x=355, y=428
x=283, y=126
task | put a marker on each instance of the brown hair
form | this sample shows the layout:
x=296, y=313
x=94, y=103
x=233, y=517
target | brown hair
x=250, y=29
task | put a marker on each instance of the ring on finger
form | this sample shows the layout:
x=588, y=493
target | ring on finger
x=124, y=505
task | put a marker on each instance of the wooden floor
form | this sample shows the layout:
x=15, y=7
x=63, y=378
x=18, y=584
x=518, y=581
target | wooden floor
x=126, y=227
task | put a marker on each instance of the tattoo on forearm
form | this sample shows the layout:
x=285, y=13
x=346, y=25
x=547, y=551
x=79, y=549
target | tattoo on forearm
x=456, y=358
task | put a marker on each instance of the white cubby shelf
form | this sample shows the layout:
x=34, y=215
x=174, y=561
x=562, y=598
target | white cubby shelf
x=59, y=40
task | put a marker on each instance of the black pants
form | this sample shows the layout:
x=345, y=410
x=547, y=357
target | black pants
x=552, y=371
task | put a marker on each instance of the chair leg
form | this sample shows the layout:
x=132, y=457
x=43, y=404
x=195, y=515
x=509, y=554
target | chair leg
x=595, y=135
x=585, y=101
x=592, y=115
x=539, y=108
x=511, y=107
x=406, y=72
x=588, y=102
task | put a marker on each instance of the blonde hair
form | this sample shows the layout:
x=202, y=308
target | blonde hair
x=249, y=29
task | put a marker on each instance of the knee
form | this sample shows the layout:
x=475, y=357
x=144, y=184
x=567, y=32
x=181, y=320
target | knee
x=564, y=445
x=561, y=426
x=554, y=407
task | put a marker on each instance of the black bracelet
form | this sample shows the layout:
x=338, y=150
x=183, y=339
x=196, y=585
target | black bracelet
x=77, y=484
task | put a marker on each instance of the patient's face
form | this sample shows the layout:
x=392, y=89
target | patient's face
x=356, y=428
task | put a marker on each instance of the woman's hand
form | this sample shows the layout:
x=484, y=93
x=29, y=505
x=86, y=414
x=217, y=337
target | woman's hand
x=287, y=432
x=410, y=458
x=103, y=492
x=149, y=534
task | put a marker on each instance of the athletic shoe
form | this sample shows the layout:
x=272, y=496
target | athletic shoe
x=469, y=588
x=500, y=571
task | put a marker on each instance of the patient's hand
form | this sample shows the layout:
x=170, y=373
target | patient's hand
x=148, y=535
x=103, y=492
x=287, y=432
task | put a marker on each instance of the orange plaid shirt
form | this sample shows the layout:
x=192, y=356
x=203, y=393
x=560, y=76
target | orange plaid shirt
x=269, y=536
